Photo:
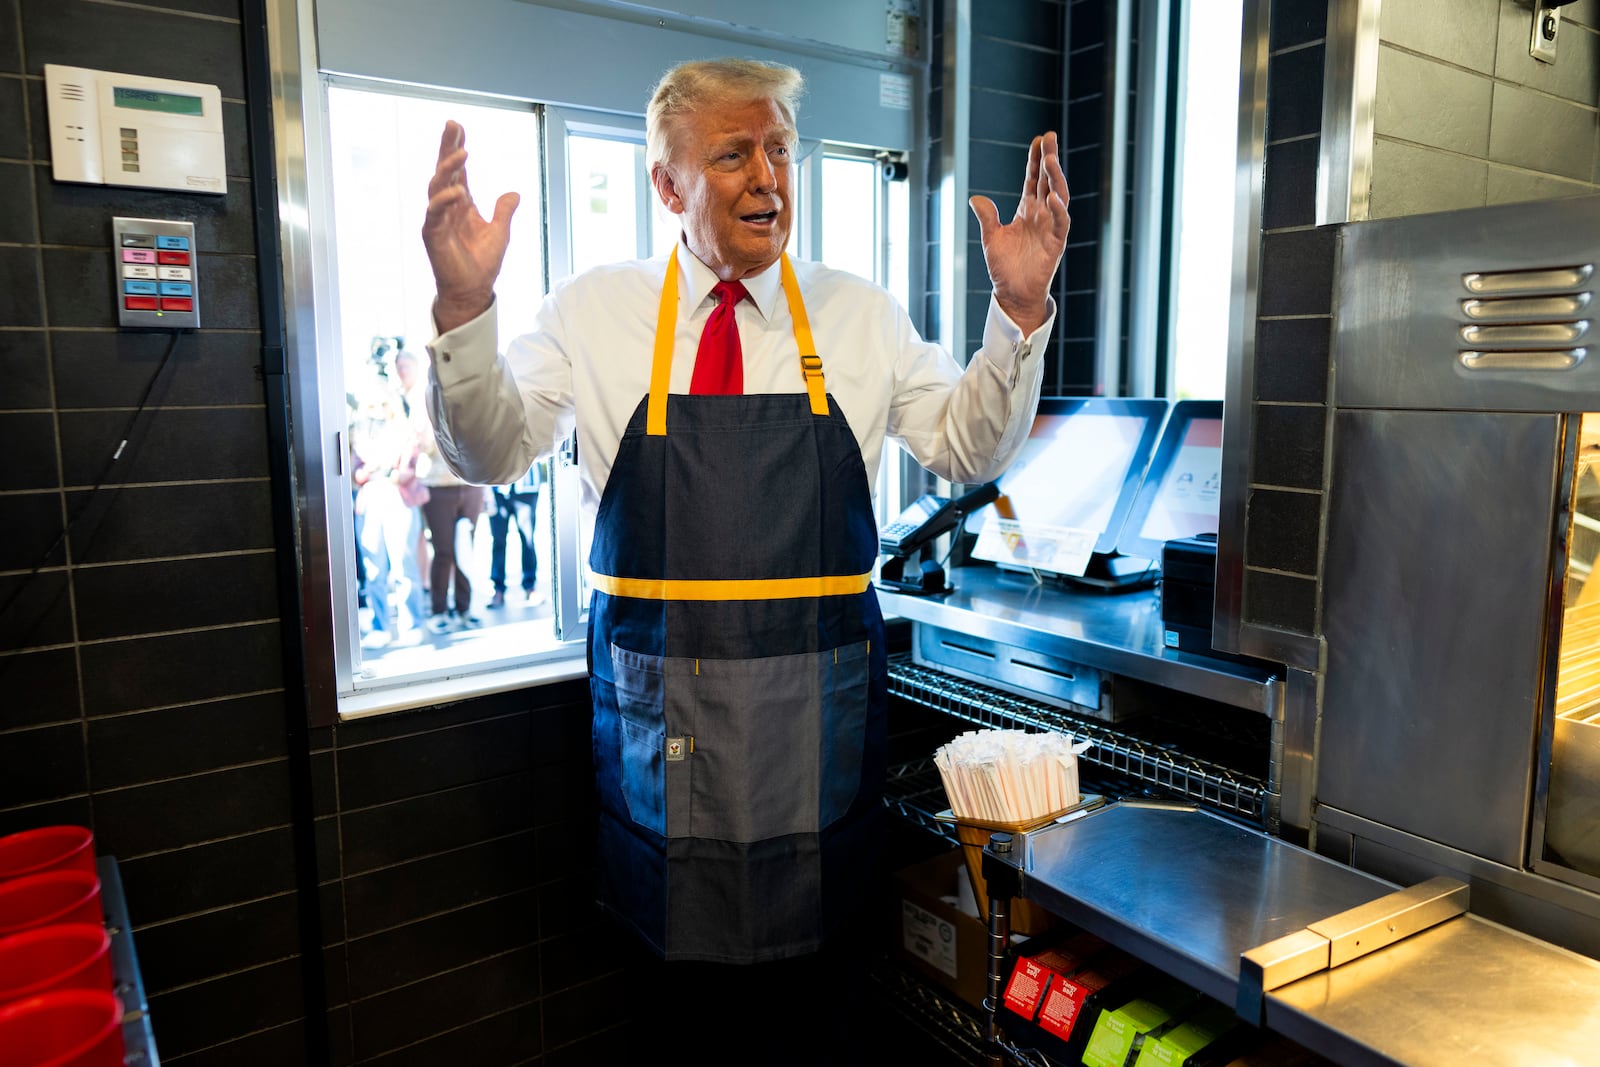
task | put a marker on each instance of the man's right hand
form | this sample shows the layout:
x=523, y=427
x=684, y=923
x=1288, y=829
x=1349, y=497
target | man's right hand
x=465, y=250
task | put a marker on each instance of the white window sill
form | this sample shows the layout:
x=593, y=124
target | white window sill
x=436, y=691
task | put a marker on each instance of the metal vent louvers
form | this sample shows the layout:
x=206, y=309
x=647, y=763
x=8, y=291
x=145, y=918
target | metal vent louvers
x=1526, y=319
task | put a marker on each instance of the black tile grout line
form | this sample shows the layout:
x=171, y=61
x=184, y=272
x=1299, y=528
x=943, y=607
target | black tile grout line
x=433, y=975
x=520, y=1006
x=350, y=746
x=459, y=909
x=387, y=868
x=434, y=794
x=173, y=920
x=178, y=1060
x=184, y=987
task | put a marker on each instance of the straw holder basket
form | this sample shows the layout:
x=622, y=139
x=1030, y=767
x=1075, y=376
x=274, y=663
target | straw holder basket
x=1026, y=917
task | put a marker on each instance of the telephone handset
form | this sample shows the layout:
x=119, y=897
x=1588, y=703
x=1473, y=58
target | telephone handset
x=929, y=516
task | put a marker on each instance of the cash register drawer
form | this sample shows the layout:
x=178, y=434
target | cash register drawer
x=1018, y=670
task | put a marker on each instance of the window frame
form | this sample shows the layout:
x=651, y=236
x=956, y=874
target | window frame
x=331, y=640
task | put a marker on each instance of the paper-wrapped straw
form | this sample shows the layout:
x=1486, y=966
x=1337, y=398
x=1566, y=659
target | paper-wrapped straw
x=1010, y=776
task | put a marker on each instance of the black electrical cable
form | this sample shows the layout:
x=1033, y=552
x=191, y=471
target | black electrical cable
x=99, y=482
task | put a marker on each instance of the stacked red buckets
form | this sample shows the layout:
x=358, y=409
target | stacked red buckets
x=58, y=1006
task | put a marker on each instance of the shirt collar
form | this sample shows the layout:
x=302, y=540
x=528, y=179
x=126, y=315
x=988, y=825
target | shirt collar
x=696, y=281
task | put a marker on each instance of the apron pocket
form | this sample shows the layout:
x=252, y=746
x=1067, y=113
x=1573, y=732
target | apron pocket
x=639, y=685
x=777, y=741
x=845, y=675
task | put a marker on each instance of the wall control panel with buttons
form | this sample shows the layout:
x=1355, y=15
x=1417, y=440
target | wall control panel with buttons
x=157, y=284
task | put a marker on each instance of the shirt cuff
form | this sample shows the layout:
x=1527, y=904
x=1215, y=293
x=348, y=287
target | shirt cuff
x=458, y=353
x=1003, y=340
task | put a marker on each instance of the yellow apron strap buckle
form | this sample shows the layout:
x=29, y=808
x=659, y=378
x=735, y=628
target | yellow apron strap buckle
x=810, y=362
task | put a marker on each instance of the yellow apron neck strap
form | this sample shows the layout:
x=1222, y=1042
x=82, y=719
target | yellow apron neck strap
x=810, y=362
x=666, y=335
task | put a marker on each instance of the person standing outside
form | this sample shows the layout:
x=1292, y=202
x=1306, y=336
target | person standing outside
x=515, y=505
x=736, y=651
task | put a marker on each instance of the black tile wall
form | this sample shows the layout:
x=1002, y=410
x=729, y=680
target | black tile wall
x=1294, y=22
x=38, y=610
x=198, y=947
x=1010, y=117
x=1297, y=272
x=1284, y=530
x=125, y=750
x=407, y=954
x=1289, y=446
x=13, y=108
x=1025, y=21
x=180, y=668
x=54, y=32
x=36, y=520
x=1293, y=331
x=105, y=369
x=21, y=296
x=146, y=521
x=163, y=816
x=25, y=369
x=162, y=446
x=507, y=1037
x=16, y=187
x=275, y=1047
x=42, y=764
x=444, y=1001
x=1294, y=93
x=1282, y=601
x=1296, y=364
x=1289, y=194
x=218, y=1010
x=50, y=678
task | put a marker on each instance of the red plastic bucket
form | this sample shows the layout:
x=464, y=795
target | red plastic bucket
x=46, y=848
x=58, y=956
x=66, y=1028
x=52, y=897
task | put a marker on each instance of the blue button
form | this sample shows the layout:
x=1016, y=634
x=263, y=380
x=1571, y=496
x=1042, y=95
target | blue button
x=176, y=289
x=179, y=243
x=139, y=288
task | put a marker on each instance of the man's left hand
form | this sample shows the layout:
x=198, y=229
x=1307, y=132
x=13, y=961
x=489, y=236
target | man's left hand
x=1023, y=254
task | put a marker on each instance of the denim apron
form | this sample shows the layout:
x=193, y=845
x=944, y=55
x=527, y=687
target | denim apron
x=737, y=666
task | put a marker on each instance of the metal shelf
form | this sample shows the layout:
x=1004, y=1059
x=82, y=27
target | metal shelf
x=1144, y=762
x=950, y=1023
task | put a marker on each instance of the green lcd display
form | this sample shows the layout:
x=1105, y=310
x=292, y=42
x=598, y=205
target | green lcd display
x=151, y=100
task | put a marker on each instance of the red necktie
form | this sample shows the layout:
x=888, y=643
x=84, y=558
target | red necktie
x=719, y=364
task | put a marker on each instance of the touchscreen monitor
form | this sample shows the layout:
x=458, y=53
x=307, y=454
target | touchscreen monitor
x=1182, y=489
x=1067, y=493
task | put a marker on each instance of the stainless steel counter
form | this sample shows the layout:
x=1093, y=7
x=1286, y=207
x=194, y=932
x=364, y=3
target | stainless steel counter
x=1119, y=633
x=1190, y=892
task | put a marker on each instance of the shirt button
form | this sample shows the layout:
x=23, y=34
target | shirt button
x=445, y=356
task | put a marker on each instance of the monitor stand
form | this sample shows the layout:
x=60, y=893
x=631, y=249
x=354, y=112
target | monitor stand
x=1115, y=573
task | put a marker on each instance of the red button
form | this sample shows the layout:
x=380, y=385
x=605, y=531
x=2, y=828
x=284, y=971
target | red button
x=177, y=303
x=139, y=303
x=176, y=259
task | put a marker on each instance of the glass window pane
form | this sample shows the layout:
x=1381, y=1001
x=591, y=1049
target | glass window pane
x=605, y=179
x=850, y=233
x=383, y=149
x=1204, y=224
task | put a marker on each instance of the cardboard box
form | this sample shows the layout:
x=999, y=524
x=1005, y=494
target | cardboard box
x=940, y=941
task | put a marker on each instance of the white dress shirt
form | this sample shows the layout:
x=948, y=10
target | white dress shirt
x=586, y=365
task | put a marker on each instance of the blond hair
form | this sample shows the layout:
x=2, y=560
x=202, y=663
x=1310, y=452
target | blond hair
x=710, y=83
